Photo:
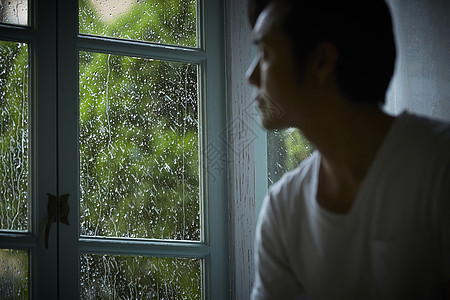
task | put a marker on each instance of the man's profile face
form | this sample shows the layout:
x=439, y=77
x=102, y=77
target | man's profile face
x=273, y=70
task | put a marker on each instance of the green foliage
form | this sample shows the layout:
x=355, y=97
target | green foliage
x=286, y=149
x=139, y=156
x=166, y=22
x=14, y=274
x=127, y=277
x=139, y=168
x=138, y=147
x=298, y=148
x=13, y=136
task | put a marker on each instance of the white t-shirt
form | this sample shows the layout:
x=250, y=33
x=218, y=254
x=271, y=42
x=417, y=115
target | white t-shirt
x=394, y=243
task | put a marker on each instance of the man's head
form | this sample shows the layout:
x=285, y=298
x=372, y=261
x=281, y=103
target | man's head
x=361, y=31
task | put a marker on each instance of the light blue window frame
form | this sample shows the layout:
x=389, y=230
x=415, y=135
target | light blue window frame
x=210, y=57
x=54, y=50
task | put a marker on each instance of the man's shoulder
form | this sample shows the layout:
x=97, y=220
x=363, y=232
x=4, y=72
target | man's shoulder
x=291, y=191
x=425, y=127
x=288, y=198
x=419, y=137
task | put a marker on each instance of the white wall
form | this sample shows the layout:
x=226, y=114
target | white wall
x=241, y=138
x=422, y=80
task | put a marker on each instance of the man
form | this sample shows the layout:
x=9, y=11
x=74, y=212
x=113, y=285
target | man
x=367, y=216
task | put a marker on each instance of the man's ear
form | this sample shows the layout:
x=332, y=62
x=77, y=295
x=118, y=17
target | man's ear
x=324, y=60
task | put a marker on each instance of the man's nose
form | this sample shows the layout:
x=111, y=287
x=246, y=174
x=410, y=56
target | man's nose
x=252, y=73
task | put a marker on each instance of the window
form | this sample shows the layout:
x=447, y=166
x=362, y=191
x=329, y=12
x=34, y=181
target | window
x=286, y=149
x=112, y=111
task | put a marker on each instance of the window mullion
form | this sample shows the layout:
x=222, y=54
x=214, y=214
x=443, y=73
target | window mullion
x=43, y=147
x=143, y=247
x=17, y=33
x=140, y=49
x=68, y=181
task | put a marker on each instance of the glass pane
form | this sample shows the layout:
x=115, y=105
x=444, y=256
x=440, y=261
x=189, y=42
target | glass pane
x=131, y=277
x=13, y=136
x=14, y=12
x=285, y=151
x=138, y=148
x=171, y=22
x=13, y=274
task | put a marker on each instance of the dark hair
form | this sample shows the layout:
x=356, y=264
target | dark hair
x=361, y=30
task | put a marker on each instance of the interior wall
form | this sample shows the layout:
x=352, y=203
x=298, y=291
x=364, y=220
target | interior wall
x=421, y=82
x=241, y=154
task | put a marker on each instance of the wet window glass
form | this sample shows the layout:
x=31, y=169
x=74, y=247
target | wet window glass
x=137, y=277
x=139, y=155
x=171, y=22
x=14, y=271
x=14, y=12
x=14, y=143
x=286, y=149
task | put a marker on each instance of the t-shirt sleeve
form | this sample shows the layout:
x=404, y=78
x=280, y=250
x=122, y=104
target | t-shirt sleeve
x=274, y=278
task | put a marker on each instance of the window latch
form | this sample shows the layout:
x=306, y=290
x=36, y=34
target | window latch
x=56, y=208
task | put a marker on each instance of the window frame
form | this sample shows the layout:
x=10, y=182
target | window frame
x=209, y=56
x=54, y=45
x=42, y=271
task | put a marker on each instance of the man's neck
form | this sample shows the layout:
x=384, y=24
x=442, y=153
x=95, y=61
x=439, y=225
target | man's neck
x=348, y=144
